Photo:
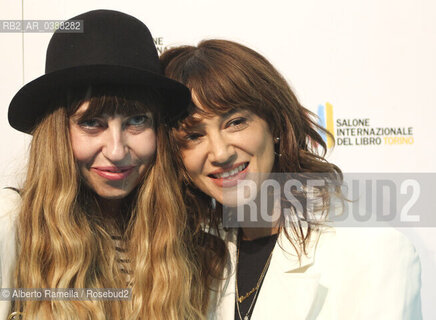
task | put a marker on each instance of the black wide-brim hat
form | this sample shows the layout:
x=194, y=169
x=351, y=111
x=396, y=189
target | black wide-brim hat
x=113, y=49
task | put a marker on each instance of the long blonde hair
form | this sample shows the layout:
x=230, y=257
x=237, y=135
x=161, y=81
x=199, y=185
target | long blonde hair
x=65, y=242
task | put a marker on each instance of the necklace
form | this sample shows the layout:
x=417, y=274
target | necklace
x=240, y=299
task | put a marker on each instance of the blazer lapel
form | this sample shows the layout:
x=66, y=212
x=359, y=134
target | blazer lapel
x=288, y=292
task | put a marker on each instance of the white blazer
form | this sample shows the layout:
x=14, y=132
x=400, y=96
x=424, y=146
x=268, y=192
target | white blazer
x=10, y=202
x=348, y=274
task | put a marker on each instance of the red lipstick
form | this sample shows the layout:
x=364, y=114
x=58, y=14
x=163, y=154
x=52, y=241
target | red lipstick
x=113, y=173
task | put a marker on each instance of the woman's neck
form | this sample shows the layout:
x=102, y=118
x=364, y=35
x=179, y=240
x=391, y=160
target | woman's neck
x=259, y=228
x=110, y=208
x=255, y=233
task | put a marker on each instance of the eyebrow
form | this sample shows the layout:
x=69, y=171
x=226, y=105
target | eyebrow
x=198, y=123
x=231, y=112
x=224, y=115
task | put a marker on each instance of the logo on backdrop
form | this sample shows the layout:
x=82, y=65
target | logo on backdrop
x=359, y=131
x=325, y=120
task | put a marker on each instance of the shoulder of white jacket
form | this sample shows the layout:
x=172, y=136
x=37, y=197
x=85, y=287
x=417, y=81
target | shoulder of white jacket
x=385, y=242
x=370, y=235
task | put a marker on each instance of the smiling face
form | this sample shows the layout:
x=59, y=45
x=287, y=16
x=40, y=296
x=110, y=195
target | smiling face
x=113, y=152
x=220, y=151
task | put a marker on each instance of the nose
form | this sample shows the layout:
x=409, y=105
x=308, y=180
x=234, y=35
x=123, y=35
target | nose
x=114, y=145
x=221, y=151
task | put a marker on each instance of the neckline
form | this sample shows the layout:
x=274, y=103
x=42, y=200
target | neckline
x=261, y=239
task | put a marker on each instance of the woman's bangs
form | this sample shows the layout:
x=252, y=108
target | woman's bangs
x=223, y=92
x=111, y=105
x=221, y=83
x=121, y=101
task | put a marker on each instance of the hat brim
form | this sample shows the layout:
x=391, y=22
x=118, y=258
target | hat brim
x=35, y=99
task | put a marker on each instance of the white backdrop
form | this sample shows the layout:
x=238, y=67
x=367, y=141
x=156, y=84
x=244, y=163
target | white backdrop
x=370, y=59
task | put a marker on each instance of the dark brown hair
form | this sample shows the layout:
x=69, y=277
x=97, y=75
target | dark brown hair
x=225, y=75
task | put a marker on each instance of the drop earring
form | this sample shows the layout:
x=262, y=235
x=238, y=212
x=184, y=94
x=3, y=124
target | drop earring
x=276, y=141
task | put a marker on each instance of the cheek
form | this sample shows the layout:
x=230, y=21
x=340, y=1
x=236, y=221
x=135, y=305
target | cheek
x=194, y=167
x=189, y=162
x=83, y=148
x=145, y=145
x=258, y=142
x=263, y=148
x=268, y=156
x=269, y=153
x=193, y=162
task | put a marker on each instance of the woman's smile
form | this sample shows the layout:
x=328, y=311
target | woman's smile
x=229, y=177
x=114, y=173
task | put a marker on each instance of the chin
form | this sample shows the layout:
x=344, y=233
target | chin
x=113, y=194
x=237, y=197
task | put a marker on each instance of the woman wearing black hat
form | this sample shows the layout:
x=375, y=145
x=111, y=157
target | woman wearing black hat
x=100, y=207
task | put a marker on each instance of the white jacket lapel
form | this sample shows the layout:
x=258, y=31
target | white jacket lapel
x=287, y=291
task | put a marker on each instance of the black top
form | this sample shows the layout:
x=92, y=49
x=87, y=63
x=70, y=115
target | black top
x=252, y=258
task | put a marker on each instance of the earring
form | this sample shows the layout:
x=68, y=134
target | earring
x=276, y=141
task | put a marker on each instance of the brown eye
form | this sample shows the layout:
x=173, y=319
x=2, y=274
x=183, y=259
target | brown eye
x=192, y=137
x=237, y=123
